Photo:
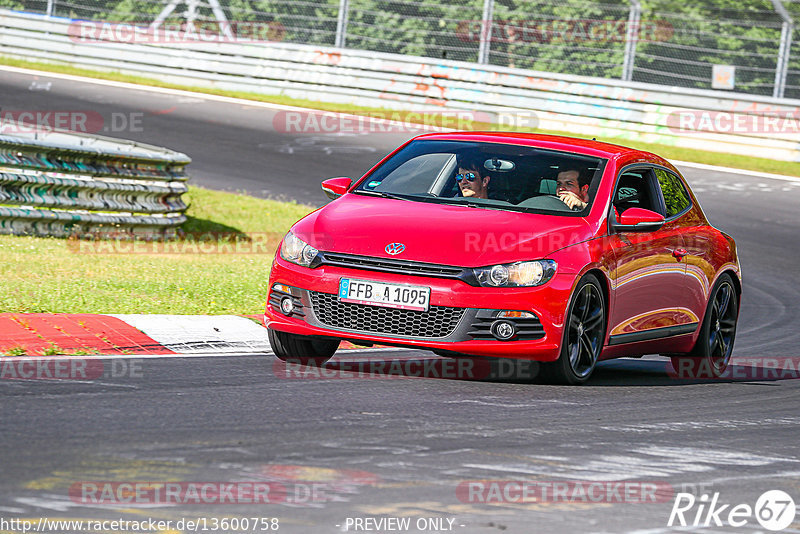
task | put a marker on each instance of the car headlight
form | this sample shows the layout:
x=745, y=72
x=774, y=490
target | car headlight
x=519, y=274
x=297, y=251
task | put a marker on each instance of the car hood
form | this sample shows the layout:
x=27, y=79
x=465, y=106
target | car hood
x=437, y=233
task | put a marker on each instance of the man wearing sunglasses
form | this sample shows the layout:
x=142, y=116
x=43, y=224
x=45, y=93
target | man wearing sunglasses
x=470, y=181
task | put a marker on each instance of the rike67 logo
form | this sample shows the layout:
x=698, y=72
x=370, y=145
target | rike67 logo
x=774, y=510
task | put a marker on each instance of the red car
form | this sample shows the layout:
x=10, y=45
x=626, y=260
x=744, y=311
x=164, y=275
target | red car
x=560, y=250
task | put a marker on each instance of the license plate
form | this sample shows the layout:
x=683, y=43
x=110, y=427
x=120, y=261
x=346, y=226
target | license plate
x=401, y=296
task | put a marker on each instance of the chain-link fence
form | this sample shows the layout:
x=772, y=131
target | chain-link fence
x=665, y=42
x=793, y=70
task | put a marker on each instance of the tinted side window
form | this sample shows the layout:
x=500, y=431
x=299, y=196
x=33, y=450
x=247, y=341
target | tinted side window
x=414, y=176
x=634, y=191
x=675, y=196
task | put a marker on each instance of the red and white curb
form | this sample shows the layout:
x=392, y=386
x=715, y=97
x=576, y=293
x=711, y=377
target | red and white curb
x=48, y=334
x=199, y=334
x=35, y=334
x=118, y=334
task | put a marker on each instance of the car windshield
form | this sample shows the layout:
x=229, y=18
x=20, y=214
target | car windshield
x=488, y=175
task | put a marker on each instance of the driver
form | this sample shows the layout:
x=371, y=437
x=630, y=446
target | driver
x=470, y=181
x=572, y=188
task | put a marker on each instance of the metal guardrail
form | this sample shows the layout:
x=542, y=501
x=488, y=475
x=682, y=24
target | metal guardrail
x=592, y=107
x=66, y=184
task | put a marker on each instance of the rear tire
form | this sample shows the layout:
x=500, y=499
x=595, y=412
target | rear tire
x=712, y=351
x=584, y=333
x=302, y=349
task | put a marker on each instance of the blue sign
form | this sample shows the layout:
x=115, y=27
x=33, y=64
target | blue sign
x=344, y=287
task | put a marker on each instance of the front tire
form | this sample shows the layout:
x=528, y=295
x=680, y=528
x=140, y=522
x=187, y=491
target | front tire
x=712, y=351
x=302, y=349
x=584, y=332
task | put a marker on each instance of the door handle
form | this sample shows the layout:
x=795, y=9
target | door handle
x=680, y=253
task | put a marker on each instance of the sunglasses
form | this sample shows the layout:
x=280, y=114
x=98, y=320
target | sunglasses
x=470, y=176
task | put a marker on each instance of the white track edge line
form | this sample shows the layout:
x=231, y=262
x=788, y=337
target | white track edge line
x=731, y=170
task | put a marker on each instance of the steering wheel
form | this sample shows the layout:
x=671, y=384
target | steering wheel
x=575, y=208
x=552, y=199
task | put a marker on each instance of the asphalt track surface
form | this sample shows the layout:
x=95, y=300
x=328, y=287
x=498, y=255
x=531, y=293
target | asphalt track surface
x=392, y=448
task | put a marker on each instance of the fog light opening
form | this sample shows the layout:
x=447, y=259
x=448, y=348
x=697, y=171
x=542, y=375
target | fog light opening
x=503, y=330
x=286, y=305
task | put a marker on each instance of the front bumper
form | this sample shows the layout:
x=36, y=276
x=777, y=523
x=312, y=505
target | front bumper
x=459, y=319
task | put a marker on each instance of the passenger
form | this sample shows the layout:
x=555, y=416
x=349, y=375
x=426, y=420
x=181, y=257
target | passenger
x=572, y=188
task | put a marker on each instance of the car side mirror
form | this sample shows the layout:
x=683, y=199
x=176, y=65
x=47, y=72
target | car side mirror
x=638, y=220
x=336, y=187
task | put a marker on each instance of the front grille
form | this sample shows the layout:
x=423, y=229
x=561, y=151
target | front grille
x=386, y=265
x=437, y=322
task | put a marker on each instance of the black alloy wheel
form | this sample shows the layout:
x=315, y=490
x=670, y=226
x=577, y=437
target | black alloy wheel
x=712, y=351
x=583, y=335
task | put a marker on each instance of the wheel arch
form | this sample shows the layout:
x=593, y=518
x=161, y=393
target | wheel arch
x=605, y=286
x=737, y=282
x=737, y=286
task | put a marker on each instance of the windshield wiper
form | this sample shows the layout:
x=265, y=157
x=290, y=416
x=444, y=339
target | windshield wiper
x=379, y=194
x=455, y=201
x=458, y=201
x=463, y=201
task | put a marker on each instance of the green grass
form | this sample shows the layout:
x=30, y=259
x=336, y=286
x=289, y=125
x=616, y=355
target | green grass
x=15, y=351
x=58, y=276
x=83, y=352
x=52, y=350
x=739, y=161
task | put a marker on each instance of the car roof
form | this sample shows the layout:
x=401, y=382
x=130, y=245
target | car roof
x=589, y=147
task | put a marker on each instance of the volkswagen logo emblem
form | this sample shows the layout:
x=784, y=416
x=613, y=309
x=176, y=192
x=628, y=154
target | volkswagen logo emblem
x=394, y=248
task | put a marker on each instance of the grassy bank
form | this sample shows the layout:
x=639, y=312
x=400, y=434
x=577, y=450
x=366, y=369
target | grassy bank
x=198, y=277
x=740, y=161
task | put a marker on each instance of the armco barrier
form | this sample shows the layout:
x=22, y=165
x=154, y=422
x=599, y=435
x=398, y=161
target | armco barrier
x=589, y=107
x=62, y=184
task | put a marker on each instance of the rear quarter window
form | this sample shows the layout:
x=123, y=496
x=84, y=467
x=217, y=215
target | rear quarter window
x=676, y=198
